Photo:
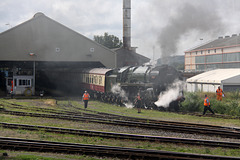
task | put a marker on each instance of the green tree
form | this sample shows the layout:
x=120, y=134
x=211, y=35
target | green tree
x=109, y=41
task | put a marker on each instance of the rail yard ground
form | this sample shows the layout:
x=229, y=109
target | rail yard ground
x=45, y=106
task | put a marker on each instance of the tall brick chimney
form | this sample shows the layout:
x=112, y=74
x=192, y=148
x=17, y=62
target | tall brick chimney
x=127, y=24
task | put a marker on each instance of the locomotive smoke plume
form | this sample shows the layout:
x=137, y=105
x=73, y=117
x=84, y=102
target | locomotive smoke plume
x=129, y=105
x=116, y=89
x=165, y=98
x=199, y=18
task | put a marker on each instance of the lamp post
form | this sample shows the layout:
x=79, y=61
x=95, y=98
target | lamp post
x=33, y=54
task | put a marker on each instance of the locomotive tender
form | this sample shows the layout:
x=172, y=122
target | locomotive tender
x=147, y=80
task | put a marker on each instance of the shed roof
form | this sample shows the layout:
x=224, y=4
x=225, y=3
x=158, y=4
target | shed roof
x=217, y=76
x=51, y=41
x=226, y=41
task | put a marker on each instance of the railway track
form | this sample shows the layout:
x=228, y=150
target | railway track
x=213, y=130
x=102, y=151
x=122, y=135
x=123, y=118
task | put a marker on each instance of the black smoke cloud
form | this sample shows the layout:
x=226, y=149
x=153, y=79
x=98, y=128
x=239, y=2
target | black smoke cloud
x=189, y=17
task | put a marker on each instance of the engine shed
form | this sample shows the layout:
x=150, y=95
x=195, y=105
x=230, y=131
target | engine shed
x=42, y=54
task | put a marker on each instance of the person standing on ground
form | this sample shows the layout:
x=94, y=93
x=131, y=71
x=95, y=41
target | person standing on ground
x=86, y=97
x=219, y=93
x=207, y=105
x=138, y=102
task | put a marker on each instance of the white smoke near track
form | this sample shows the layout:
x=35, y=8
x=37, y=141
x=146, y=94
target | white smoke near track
x=171, y=94
x=129, y=105
x=117, y=90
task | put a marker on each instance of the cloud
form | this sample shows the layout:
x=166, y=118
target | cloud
x=149, y=19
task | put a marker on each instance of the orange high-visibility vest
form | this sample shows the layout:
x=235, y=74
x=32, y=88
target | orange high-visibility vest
x=139, y=98
x=12, y=86
x=86, y=96
x=219, y=92
x=205, y=102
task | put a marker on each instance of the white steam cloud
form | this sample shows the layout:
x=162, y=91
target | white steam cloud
x=116, y=89
x=129, y=105
x=172, y=93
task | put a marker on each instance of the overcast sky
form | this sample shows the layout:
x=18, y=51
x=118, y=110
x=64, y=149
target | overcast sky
x=159, y=27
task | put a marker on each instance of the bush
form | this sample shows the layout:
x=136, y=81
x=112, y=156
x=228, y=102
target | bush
x=233, y=108
x=218, y=106
x=229, y=106
x=192, y=103
x=234, y=95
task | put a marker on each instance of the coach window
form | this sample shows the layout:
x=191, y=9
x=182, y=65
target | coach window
x=100, y=80
x=95, y=79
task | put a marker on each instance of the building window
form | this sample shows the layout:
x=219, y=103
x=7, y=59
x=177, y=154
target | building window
x=201, y=52
x=231, y=57
x=24, y=82
x=208, y=51
x=213, y=58
x=215, y=50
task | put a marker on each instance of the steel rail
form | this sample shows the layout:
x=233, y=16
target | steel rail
x=152, y=121
x=97, y=150
x=186, y=129
x=122, y=135
x=126, y=118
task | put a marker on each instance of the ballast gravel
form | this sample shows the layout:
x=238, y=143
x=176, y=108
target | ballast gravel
x=142, y=131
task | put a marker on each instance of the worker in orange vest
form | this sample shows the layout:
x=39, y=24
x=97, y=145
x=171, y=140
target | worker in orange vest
x=86, y=97
x=219, y=93
x=11, y=92
x=138, y=102
x=207, y=105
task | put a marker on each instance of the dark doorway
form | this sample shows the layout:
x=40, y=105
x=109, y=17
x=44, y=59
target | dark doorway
x=2, y=84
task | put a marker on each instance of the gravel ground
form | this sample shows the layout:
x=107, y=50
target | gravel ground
x=135, y=130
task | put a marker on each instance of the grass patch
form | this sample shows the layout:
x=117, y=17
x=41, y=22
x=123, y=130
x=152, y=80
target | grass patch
x=122, y=143
x=102, y=107
x=20, y=155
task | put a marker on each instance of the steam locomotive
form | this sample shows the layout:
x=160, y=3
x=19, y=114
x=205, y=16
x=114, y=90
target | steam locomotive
x=121, y=85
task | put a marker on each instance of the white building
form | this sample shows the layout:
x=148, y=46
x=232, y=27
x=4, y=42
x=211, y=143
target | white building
x=227, y=79
x=223, y=52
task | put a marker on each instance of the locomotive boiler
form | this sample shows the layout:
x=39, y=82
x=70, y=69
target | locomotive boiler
x=122, y=85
